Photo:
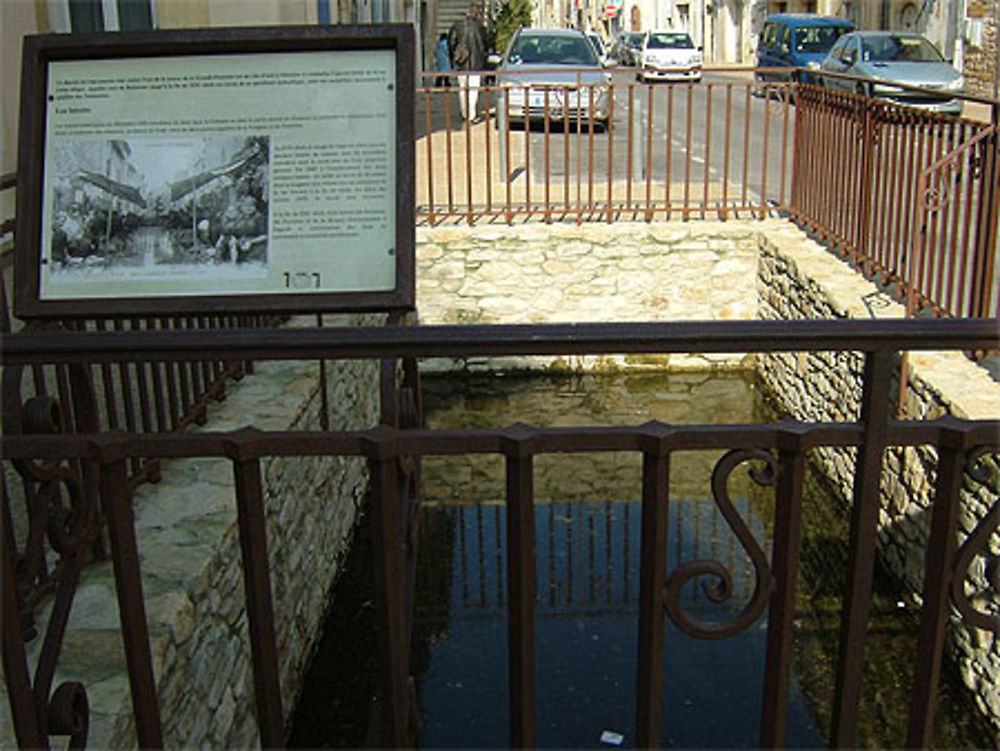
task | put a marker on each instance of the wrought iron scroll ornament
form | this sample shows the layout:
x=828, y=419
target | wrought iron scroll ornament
x=977, y=544
x=937, y=196
x=62, y=510
x=722, y=589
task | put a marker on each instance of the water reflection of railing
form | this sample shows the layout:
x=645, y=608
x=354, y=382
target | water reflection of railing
x=587, y=555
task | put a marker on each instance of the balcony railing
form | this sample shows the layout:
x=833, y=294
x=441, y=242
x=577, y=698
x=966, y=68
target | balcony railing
x=965, y=453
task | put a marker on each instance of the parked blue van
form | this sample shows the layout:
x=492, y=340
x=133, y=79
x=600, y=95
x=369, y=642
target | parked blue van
x=797, y=40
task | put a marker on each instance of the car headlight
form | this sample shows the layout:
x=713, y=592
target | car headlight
x=957, y=85
x=812, y=65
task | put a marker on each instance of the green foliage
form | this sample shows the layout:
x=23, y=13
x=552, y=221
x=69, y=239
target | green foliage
x=512, y=15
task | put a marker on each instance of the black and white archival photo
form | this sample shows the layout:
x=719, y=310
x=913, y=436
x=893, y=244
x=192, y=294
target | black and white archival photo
x=159, y=207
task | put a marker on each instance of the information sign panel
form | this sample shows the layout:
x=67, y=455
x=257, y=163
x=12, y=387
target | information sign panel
x=222, y=170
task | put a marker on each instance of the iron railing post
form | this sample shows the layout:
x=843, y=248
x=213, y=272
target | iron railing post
x=861, y=550
x=117, y=502
x=17, y=674
x=521, y=594
x=389, y=556
x=785, y=565
x=938, y=575
x=652, y=586
x=257, y=585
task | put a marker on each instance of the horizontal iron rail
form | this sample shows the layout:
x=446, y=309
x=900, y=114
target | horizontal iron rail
x=382, y=441
x=482, y=340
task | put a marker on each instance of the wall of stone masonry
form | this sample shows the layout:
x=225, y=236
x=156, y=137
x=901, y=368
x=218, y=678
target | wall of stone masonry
x=980, y=61
x=618, y=272
x=798, y=279
x=192, y=576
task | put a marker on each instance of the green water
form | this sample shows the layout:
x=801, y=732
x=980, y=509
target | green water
x=587, y=543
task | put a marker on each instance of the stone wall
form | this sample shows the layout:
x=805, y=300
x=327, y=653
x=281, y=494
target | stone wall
x=620, y=272
x=192, y=576
x=980, y=61
x=798, y=279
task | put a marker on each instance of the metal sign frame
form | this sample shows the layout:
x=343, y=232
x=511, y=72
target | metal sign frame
x=355, y=229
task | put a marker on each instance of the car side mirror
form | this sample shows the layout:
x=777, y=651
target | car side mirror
x=608, y=62
x=850, y=57
x=700, y=48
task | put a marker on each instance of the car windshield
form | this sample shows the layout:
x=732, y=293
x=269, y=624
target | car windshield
x=817, y=39
x=553, y=50
x=669, y=41
x=899, y=49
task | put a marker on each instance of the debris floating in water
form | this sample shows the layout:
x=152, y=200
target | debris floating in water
x=611, y=738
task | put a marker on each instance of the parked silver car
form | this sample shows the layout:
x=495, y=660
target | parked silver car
x=554, y=70
x=894, y=57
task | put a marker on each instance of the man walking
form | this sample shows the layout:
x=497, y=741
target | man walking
x=467, y=41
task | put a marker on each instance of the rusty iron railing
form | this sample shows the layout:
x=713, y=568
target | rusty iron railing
x=776, y=451
x=954, y=216
x=665, y=160
x=845, y=167
x=140, y=397
x=864, y=168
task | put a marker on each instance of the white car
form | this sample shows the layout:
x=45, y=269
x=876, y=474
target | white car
x=669, y=56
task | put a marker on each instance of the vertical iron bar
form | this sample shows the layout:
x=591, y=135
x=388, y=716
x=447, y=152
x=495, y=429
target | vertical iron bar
x=170, y=368
x=984, y=302
x=389, y=555
x=260, y=611
x=506, y=153
x=785, y=564
x=118, y=512
x=965, y=229
x=726, y=150
x=864, y=518
x=786, y=116
x=649, y=154
x=687, y=153
x=108, y=384
x=470, y=116
x=746, y=146
x=566, y=124
x=764, y=155
x=937, y=585
x=520, y=606
x=652, y=583
x=630, y=150
x=487, y=147
x=24, y=713
x=611, y=148
x=429, y=129
x=708, y=147
x=526, y=124
x=450, y=180
x=547, y=141
x=669, y=147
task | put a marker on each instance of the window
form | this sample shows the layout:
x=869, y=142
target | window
x=82, y=16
